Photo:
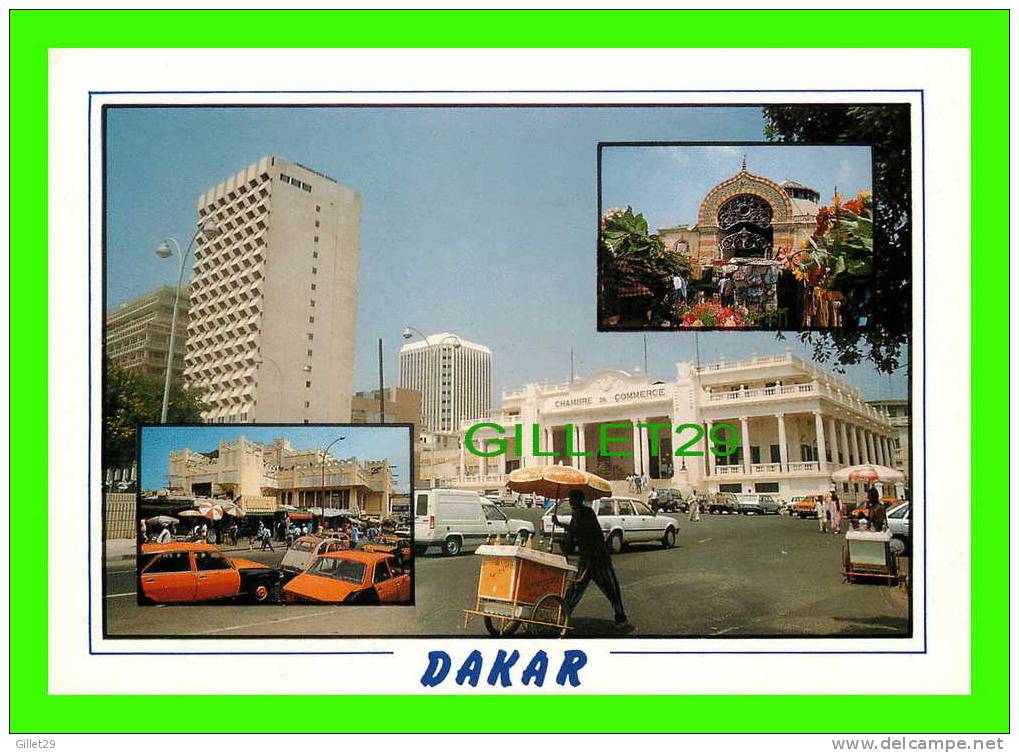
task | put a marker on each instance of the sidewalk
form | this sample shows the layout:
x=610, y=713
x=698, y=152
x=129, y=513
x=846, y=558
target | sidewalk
x=124, y=549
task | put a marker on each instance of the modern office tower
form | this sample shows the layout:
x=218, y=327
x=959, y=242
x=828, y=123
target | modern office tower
x=138, y=332
x=274, y=297
x=454, y=377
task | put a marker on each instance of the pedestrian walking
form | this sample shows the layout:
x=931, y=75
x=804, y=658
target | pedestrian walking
x=695, y=509
x=822, y=514
x=595, y=558
x=266, y=536
x=355, y=535
x=835, y=508
x=652, y=500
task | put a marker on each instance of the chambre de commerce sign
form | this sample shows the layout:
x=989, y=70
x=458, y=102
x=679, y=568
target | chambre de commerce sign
x=723, y=438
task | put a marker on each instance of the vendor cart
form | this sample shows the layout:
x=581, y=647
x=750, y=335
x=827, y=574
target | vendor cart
x=522, y=587
x=868, y=554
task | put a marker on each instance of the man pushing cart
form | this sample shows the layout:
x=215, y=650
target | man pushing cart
x=521, y=587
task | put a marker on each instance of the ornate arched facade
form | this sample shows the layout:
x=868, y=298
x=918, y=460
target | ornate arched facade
x=791, y=220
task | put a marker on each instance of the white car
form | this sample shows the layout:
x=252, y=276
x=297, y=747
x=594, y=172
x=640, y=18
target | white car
x=624, y=521
x=455, y=520
x=757, y=504
x=306, y=549
x=899, y=524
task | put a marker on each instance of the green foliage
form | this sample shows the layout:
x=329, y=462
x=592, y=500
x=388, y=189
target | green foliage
x=628, y=254
x=887, y=128
x=625, y=238
x=131, y=397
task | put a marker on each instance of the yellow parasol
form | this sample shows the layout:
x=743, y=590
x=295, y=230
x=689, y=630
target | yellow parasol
x=557, y=481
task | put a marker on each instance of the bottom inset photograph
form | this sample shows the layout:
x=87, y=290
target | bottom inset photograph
x=293, y=514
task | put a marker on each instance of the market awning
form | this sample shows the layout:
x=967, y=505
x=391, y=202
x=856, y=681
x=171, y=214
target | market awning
x=299, y=516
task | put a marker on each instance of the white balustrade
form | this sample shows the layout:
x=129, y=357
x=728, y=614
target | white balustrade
x=807, y=467
x=728, y=470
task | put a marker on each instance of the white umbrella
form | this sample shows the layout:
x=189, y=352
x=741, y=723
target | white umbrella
x=161, y=520
x=869, y=474
x=210, y=511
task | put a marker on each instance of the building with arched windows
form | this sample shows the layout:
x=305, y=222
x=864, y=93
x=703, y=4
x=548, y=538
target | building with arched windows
x=742, y=225
x=746, y=217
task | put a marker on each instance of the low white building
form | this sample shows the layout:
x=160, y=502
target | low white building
x=796, y=423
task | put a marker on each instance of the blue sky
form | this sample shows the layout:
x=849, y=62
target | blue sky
x=479, y=221
x=362, y=442
x=667, y=183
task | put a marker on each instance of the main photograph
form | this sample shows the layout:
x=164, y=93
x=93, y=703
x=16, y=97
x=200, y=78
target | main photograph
x=275, y=277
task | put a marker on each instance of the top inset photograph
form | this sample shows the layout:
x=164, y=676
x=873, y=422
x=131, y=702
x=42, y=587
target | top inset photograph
x=734, y=236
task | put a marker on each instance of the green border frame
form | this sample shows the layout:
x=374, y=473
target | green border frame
x=32, y=33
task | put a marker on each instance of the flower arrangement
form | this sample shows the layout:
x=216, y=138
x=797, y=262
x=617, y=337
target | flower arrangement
x=715, y=315
x=841, y=249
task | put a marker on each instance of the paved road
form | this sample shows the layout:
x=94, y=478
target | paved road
x=731, y=576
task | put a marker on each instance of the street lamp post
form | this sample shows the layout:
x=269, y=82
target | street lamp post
x=325, y=454
x=409, y=332
x=210, y=230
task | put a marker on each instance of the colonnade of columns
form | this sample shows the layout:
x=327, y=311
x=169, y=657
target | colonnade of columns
x=866, y=446
x=849, y=444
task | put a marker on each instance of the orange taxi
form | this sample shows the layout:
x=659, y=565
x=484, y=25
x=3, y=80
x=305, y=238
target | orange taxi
x=805, y=507
x=351, y=577
x=398, y=546
x=185, y=571
x=860, y=513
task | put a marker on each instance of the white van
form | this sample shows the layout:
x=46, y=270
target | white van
x=456, y=520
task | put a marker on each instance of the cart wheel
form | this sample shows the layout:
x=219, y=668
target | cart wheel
x=550, y=608
x=500, y=627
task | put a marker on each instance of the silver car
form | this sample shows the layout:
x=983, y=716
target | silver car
x=899, y=525
x=624, y=520
x=757, y=504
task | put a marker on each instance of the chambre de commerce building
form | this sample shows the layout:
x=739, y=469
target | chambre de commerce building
x=797, y=424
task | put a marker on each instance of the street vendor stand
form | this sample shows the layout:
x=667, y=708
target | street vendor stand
x=868, y=554
x=519, y=586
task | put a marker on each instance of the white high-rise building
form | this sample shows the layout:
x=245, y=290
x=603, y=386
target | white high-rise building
x=274, y=297
x=454, y=377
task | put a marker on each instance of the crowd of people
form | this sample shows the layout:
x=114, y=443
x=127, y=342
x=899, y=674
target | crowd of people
x=284, y=531
x=831, y=512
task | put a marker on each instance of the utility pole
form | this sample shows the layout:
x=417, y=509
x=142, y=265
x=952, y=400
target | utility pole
x=382, y=389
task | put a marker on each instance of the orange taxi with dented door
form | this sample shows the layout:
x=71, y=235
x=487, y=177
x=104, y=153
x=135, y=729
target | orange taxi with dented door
x=186, y=571
x=351, y=577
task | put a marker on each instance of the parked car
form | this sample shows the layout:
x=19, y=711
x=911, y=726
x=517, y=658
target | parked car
x=398, y=546
x=860, y=513
x=804, y=507
x=455, y=520
x=624, y=521
x=722, y=503
x=351, y=577
x=306, y=549
x=899, y=523
x=186, y=571
x=757, y=504
x=669, y=500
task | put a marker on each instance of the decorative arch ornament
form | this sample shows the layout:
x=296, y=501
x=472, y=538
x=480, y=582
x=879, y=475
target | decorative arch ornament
x=744, y=183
